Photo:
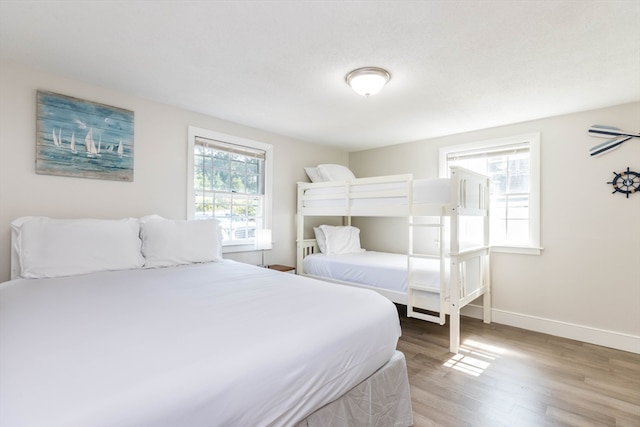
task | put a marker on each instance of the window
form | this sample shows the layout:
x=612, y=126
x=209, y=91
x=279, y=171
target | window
x=513, y=167
x=230, y=180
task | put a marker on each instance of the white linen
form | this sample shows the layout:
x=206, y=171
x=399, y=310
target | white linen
x=313, y=174
x=168, y=242
x=320, y=239
x=47, y=247
x=425, y=191
x=371, y=403
x=376, y=269
x=339, y=239
x=216, y=344
x=333, y=172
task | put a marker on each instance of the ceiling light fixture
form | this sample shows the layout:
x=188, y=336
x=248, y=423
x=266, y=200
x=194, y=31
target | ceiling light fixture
x=368, y=80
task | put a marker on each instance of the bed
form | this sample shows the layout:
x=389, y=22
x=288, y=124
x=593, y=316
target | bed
x=433, y=284
x=96, y=332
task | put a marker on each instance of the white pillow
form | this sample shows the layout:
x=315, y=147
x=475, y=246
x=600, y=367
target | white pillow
x=341, y=239
x=320, y=239
x=313, y=174
x=48, y=247
x=331, y=172
x=173, y=242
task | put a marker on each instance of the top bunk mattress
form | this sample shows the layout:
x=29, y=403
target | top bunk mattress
x=434, y=191
x=214, y=344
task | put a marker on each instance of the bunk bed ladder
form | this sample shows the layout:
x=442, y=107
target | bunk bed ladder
x=412, y=259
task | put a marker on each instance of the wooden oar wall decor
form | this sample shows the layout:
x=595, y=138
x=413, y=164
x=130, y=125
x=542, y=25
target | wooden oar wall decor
x=611, y=144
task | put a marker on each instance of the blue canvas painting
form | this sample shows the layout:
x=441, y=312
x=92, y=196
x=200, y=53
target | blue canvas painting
x=83, y=139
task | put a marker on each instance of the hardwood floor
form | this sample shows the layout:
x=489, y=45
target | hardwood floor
x=505, y=376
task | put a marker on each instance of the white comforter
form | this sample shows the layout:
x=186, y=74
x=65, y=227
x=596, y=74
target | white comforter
x=220, y=344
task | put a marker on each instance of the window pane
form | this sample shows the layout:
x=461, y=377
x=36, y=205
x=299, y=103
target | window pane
x=252, y=166
x=518, y=232
x=498, y=206
x=252, y=184
x=254, y=209
x=221, y=181
x=498, y=228
x=204, y=205
x=198, y=173
x=519, y=173
x=237, y=182
x=238, y=164
x=496, y=169
x=518, y=207
x=222, y=207
x=221, y=160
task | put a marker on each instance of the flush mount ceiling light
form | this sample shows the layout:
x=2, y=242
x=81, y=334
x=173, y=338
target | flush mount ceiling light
x=368, y=80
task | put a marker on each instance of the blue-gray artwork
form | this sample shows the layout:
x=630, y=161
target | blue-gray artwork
x=83, y=139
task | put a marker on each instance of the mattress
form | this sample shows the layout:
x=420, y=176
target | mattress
x=214, y=344
x=425, y=191
x=380, y=270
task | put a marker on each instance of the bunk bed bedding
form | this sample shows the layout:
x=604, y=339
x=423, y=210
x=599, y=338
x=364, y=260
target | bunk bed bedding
x=216, y=343
x=381, y=270
x=424, y=191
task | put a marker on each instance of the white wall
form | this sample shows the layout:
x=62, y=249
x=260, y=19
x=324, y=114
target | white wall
x=159, y=171
x=586, y=283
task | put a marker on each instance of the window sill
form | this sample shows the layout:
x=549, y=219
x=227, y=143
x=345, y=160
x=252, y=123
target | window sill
x=241, y=247
x=523, y=250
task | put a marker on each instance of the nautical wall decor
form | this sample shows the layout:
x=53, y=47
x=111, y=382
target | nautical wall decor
x=627, y=182
x=83, y=139
x=615, y=135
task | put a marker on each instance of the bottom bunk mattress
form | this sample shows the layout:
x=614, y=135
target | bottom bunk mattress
x=386, y=273
x=214, y=344
x=381, y=271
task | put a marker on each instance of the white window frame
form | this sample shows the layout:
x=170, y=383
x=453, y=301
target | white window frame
x=533, y=140
x=195, y=132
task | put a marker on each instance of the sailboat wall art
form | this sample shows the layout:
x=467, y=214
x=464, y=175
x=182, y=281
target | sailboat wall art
x=83, y=139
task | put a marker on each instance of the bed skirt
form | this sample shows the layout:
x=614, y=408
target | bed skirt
x=383, y=399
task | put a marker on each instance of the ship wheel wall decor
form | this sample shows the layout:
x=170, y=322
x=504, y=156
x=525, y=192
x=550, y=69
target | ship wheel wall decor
x=625, y=182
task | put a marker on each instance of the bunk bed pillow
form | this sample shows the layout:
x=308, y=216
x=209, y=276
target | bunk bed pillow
x=47, y=247
x=331, y=172
x=174, y=242
x=341, y=239
x=320, y=239
x=313, y=174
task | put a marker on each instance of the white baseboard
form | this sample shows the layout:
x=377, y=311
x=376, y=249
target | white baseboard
x=617, y=340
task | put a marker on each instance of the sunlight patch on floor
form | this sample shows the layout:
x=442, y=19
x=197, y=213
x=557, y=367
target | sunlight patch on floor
x=474, y=357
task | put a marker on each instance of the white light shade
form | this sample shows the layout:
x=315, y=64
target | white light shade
x=367, y=81
x=262, y=239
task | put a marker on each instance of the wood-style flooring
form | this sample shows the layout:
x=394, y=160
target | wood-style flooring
x=505, y=376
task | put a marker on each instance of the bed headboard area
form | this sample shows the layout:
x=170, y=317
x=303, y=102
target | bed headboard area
x=44, y=247
x=308, y=247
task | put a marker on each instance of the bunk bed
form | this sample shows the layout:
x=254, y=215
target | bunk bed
x=431, y=285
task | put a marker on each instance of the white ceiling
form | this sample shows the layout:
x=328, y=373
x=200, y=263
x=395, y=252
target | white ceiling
x=279, y=66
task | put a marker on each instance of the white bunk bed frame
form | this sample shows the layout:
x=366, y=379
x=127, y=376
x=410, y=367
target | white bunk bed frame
x=469, y=196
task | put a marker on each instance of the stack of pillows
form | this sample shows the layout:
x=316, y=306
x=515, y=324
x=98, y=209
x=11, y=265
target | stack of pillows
x=45, y=247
